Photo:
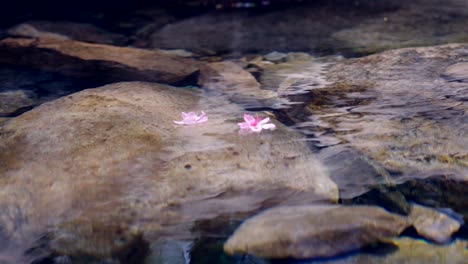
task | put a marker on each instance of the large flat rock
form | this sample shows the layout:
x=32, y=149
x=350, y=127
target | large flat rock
x=399, y=113
x=113, y=155
x=96, y=61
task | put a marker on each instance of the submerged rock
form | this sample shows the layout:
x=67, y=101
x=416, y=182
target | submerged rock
x=415, y=23
x=408, y=251
x=353, y=28
x=12, y=102
x=313, y=231
x=245, y=31
x=114, y=154
x=394, y=111
x=96, y=61
x=239, y=85
x=169, y=252
x=275, y=56
x=412, y=119
x=457, y=72
x=87, y=241
x=433, y=225
x=63, y=30
x=439, y=192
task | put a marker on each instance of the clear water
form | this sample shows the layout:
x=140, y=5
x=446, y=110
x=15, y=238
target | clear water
x=390, y=130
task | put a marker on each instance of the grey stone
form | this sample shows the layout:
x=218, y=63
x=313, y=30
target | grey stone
x=313, y=231
x=432, y=224
x=275, y=56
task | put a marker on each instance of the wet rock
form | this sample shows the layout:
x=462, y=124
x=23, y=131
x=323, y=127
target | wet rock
x=457, y=72
x=409, y=251
x=275, y=56
x=250, y=31
x=415, y=23
x=169, y=252
x=3, y=120
x=433, y=225
x=12, y=102
x=313, y=231
x=239, y=85
x=352, y=171
x=63, y=30
x=178, y=52
x=438, y=192
x=351, y=28
x=87, y=241
x=396, y=108
x=387, y=197
x=97, y=61
x=113, y=154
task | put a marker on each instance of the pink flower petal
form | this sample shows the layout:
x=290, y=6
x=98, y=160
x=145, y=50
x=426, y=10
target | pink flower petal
x=255, y=124
x=192, y=118
x=249, y=119
x=269, y=126
x=264, y=121
x=244, y=125
x=256, y=129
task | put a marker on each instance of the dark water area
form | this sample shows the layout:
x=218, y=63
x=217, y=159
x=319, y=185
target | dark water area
x=368, y=99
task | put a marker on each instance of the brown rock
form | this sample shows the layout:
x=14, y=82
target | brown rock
x=13, y=101
x=238, y=84
x=65, y=30
x=98, y=61
x=313, y=231
x=114, y=154
x=412, y=251
x=433, y=225
x=94, y=240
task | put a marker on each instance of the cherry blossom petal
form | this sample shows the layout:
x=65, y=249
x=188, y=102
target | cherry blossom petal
x=269, y=126
x=249, y=119
x=264, y=121
x=244, y=125
x=256, y=129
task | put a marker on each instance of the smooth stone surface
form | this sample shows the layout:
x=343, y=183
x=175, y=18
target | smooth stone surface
x=114, y=154
x=433, y=225
x=457, y=72
x=352, y=28
x=408, y=251
x=14, y=101
x=66, y=30
x=86, y=240
x=402, y=113
x=313, y=231
x=169, y=252
x=275, y=56
x=261, y=32
x=395, y=108
x=238, y=84
x=411, y=24
x=96, y=61
x=3, y=120
x=438, y=192
x=352, y=170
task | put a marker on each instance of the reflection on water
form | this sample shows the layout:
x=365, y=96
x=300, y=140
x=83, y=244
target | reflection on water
x=108, y=178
